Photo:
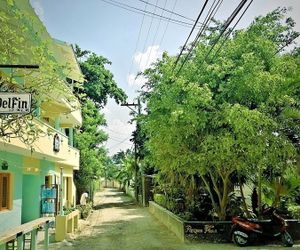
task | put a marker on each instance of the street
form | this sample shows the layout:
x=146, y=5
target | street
x=118, y=223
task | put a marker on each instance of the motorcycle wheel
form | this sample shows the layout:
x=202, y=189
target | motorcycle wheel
x=239, y=239
x=287, y=239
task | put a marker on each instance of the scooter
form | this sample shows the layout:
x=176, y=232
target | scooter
x=246, y=231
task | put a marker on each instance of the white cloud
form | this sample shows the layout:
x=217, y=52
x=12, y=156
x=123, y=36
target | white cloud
x=121, y=128
x=38, y=8
x=139, y=81
x=143, y=61
x=106, y=111
x=119, y=135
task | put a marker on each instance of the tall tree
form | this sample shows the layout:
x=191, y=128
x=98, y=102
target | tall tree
x=225, y=113
x=93, y=94
x=99, y=84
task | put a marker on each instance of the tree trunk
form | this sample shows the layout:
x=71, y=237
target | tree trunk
x=243, y=197
x=278, y=184
x=224, y=202
x=259, y=191
x=214, y=204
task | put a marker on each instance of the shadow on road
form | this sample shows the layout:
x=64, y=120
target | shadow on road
x=115, y=204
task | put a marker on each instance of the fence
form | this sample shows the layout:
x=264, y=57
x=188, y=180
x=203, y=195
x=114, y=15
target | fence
x=16, y=236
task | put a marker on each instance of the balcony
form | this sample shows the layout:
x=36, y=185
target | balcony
x=43, y=148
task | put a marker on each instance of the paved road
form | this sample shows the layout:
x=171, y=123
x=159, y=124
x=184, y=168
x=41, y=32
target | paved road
x=119, y=224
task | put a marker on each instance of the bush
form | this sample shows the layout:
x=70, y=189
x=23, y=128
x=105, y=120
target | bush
x=69, y=210
x=160, y=199
x=84, y=210
x=295, y=211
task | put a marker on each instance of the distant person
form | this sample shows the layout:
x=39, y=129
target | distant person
x=83, y=198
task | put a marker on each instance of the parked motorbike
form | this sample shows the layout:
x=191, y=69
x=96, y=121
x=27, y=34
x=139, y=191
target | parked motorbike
x=246, y=231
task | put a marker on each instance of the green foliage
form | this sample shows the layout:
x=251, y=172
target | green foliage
x=88, y=140
x=233, y=113
x=281, y=184
x=99, y=83
x=124, y=165
x=98, y=86
x=295, y=211
x=160, y=199
x=84, y=210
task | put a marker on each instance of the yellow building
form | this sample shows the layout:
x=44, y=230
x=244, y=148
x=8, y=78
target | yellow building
x=30, y=174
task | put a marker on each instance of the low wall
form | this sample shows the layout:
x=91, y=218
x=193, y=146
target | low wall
x=129, y=191
x=212, y=231
x=170, y=220
x=65, y=224
x=109, y=184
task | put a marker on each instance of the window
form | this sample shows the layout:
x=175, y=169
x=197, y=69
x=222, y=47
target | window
x=4, y=191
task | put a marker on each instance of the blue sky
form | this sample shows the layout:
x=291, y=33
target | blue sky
x=113, y=32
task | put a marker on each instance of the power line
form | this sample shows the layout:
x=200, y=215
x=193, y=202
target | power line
x=119, y=140
x=286, y=44
x=210, y=14
x=167, y=25
x=223, y=29
x=172, y=11
x=194, y=26
x=119, y=143
x=155, y=35
x=147, y=13
x=226, y=25
x=114, y=131
x=148, y=34
x=230, y=31
x=138, y=40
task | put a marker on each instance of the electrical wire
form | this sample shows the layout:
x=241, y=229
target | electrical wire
x=138, y=40
x=286, y=45
x=114, y=131
x=119, y=143
x=119, y=140
x=210, y=15
x=167, y=25
x=172, y=11
x=226, y=25
x=147, y=13
x=155, y=35
x=192, y=30
x=231, y=30
x=147, y=36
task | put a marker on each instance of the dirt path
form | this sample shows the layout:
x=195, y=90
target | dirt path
x=117, y=223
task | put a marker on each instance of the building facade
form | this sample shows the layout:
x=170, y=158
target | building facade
x=30, y=176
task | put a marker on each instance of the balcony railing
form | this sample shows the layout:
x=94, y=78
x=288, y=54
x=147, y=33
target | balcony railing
x=43, y=147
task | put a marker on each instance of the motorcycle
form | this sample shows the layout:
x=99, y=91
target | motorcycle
x=246, y=231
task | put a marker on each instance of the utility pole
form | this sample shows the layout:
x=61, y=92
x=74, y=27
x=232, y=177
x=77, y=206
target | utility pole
x=61, y=210
x=138, y=105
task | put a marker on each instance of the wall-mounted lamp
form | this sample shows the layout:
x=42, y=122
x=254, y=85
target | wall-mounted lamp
x=4, y=165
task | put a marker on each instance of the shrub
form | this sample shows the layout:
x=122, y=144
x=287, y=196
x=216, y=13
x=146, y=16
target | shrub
x=85, y=210
x=69, y=210
x=160, y=199
x=295, y=211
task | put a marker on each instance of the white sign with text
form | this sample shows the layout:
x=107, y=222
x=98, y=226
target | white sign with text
x=15, y=103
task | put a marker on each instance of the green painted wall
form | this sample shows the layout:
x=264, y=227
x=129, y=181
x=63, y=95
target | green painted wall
x=31, y=197
x=32, y=191
x=12, y=218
